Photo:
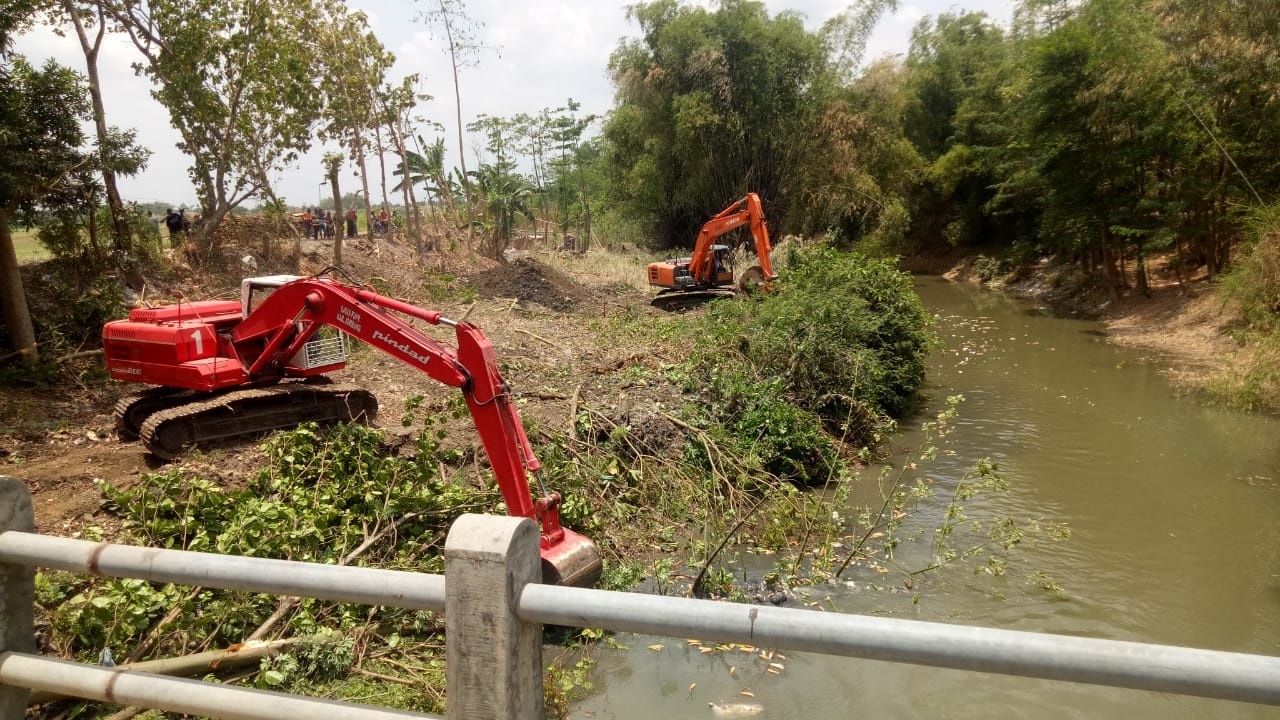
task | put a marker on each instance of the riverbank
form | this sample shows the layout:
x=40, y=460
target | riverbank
x=1189, y=328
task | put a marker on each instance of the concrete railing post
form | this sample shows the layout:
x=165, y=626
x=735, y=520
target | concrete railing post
x=494, y=662
x=17, y=594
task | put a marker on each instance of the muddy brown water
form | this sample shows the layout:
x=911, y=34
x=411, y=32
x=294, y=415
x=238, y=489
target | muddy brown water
x=1174, y=512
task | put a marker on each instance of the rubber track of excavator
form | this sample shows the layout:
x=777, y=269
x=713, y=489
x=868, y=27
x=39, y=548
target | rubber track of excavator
x=132, y=410
x=677, y=300
x=249, y=413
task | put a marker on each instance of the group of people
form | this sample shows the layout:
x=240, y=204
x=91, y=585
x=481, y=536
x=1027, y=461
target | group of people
x=320, y=223
x=316, y=223
x=383, y=222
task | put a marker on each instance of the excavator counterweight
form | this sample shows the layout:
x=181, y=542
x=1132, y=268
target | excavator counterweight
x=226, y=370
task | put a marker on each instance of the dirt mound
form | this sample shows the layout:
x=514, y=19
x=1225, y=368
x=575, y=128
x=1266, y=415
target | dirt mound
x=529, y=281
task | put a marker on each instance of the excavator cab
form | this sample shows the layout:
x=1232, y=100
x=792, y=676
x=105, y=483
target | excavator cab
x=325, y=352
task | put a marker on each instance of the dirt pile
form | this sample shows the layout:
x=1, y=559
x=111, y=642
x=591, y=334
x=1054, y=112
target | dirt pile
x=529, y=281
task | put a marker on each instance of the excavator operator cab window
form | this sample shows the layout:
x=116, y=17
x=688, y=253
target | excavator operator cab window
x=326, y=349
x=721, y=259
x=256, y=289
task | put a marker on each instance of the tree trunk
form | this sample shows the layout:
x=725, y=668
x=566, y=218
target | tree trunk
x=17, y=316
x=364, y=183
x=586, y=212
x=382, y=170
x=119, y=219
x=457, y=103
x=1109, y=265
x=338, y=218
x=406, y=189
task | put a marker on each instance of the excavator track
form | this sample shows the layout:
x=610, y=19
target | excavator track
x=679, y=300
x=242, y=414
x=132, y=410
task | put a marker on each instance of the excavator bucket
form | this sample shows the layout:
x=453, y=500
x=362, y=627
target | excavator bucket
x=574, y=560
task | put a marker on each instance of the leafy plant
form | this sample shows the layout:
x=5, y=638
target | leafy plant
x=330, y=496
x=845, y=338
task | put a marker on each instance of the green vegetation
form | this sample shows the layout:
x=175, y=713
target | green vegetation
x=1103, y=133
x=1106, y=134
x=333, y=497
x=1253, y=285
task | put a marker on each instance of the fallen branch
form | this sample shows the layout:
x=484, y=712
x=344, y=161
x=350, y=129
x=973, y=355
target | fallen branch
x=616, y=364
x=536, y=337
x=78, y=355
x=387, y=678
x=201, y=663
x=287, y=603
x=23, y=351
x=153, y=635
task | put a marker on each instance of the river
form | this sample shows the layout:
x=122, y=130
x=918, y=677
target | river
x=1173, y=507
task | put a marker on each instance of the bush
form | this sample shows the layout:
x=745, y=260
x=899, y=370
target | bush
x=1254, y=282
x=845, y=338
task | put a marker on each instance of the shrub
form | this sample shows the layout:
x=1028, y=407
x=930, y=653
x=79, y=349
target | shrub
x=844, y=338
x=1254, y=282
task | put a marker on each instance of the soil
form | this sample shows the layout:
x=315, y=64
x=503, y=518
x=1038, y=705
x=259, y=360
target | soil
x=552, y=346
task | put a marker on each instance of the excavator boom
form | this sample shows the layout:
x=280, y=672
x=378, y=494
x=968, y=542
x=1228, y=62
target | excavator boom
x=264, y=346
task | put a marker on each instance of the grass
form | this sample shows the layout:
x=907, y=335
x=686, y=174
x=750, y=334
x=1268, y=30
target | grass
x=27, y=247
x=603, y=267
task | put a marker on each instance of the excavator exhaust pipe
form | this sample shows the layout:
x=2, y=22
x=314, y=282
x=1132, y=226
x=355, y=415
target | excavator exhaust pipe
x=574, y=561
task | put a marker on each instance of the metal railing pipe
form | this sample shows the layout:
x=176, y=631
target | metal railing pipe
x=1186, y=671
x=192, y=697
x=367, y=586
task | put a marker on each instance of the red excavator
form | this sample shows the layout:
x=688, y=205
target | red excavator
x=231, y=369
x=708, y=274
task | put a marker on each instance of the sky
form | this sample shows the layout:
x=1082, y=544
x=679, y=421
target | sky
x=540, y=55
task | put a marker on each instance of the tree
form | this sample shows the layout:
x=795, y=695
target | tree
x=332, y=166
x=459, y=34
x=85, y=19
x=239, y=80
x=397, y=105
x=534, y=140
x=956, y=72
x=41, y=163
x=1224, y=83
x=566, y=130
x=14, y=16
x=505, y=197
x=711, y=105
x=357, y=65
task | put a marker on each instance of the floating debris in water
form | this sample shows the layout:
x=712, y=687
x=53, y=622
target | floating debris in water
x=735, y=709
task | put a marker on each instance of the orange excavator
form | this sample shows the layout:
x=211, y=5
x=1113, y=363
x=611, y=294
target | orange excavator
x=227, y=369
x=708, y=273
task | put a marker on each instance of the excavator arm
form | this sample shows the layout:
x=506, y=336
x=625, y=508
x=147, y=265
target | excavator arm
x=747, y=210
x=276, y=329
